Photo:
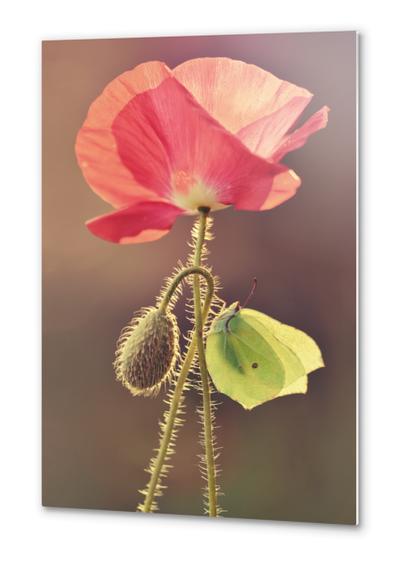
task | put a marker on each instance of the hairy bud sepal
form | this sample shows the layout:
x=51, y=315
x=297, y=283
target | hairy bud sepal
x=147, y=351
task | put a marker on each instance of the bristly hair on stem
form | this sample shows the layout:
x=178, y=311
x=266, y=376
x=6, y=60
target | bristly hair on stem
x=203, y=464
x=208, y=460
x=174, y=414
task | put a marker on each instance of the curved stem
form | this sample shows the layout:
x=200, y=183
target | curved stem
x=197, y=270
x=207, y=416
x=159, y=460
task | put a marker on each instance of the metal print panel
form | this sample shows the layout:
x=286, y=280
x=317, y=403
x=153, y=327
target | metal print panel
x=200, y=275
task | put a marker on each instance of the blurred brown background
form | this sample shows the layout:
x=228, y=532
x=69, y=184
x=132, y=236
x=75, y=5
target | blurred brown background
x=290, y=459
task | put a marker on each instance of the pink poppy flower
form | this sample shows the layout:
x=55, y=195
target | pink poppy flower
x=158, y=143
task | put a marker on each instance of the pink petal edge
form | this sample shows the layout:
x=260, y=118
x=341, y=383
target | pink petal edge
x=285, y=186
x=264, y=135
x=234, y=92
x=298, y=138
x=143, y=222
x=96, y=148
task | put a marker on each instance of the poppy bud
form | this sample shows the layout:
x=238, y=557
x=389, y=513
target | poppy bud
x=147, y=351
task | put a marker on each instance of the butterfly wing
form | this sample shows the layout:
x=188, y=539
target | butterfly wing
x=253, y=358
x=242, y=364
x=299, y=343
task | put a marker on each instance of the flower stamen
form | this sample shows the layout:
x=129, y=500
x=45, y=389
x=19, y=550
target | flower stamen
x=191, y=193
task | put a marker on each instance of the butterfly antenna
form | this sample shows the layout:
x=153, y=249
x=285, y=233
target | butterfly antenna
x=251, y=293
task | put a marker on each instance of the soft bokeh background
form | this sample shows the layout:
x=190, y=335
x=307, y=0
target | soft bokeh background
x=290, y=459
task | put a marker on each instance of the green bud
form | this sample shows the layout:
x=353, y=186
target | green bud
x=147, y=351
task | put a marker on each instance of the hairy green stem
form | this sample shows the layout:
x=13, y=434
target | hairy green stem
x=196, y=270
x=207, y=417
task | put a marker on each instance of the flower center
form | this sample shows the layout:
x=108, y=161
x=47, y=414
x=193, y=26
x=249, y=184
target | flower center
x=190, y=193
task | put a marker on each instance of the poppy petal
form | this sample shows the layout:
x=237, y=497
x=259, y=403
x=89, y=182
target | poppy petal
x=299, y=137
x=236, y=93
x=172, y=145
x=265, y=135
x=143, y=222
x=96, y=148
x=285, y=186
